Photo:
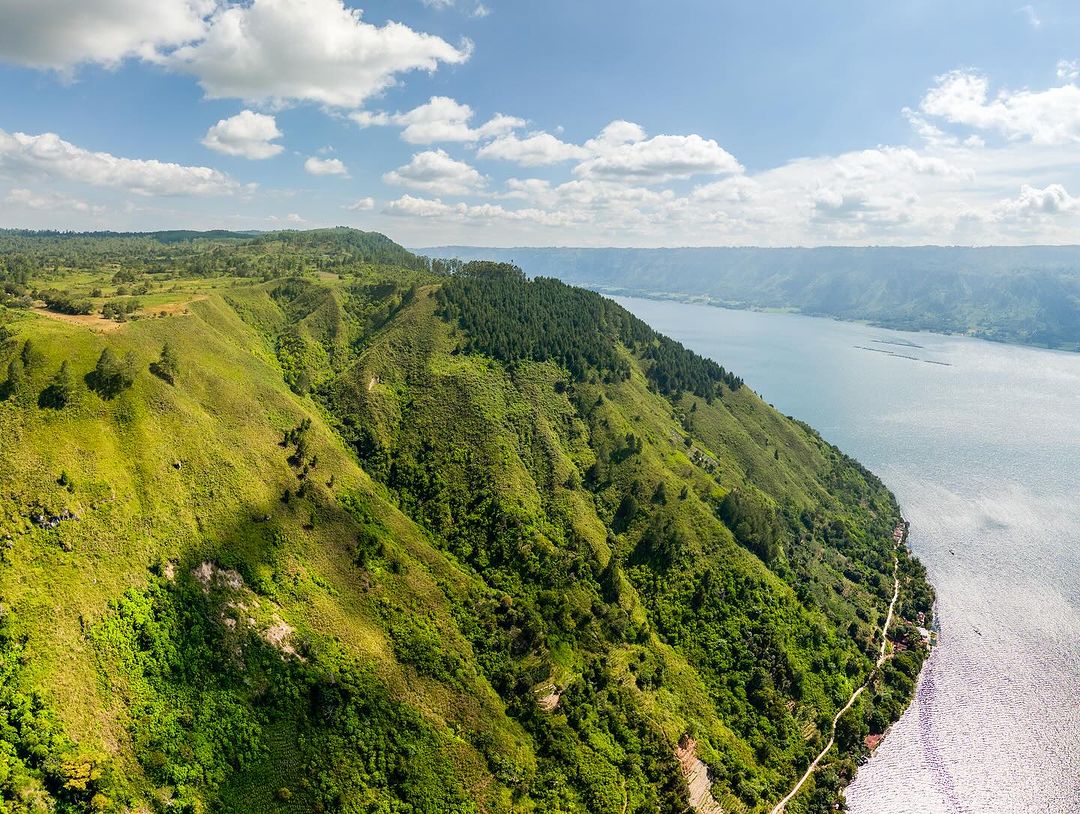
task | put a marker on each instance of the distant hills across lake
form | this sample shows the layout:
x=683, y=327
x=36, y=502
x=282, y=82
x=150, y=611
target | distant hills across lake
x=1024, y=294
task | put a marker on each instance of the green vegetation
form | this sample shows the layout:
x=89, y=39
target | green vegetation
x=325, y=526
x=1025, y=294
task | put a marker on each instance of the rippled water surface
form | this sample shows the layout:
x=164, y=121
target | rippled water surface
x=981, y=444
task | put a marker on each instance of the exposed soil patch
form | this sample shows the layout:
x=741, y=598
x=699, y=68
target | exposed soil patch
x=697, y=778
x=548, y=697
x=99, y=324
x=209, y=574
x=95, y=322
x=279, y=634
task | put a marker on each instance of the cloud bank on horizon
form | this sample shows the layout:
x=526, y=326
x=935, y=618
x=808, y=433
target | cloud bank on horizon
x=207, y=114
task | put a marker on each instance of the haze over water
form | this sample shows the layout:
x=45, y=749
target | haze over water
x=983, y=452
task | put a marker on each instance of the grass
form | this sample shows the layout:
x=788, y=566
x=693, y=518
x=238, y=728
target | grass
x=500, y=562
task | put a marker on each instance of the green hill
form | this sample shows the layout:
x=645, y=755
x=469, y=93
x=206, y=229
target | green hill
x=310, y=525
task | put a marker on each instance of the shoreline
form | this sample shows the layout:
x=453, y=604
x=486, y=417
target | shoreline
x=686, y=298
x=900, y=536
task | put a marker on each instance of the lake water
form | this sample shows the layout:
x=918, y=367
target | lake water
x=983, y=451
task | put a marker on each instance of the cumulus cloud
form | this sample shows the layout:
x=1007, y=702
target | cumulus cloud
x=362, y=205
x=655, y=160
x=282, y=51
x=326, y=166
x=247, y=135
x=262, y=51
x=435, y=171
x=1050, y=116
x=441, y=119
x=621, y=152
x=616, y=134
x=49, y=156
x=1033, y=203
x=535, y=150
x=59, y=34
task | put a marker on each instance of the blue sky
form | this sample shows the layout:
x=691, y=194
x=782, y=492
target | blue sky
x=547, y=123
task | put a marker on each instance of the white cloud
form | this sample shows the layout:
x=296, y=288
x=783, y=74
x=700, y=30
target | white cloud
x=621, y=152
x=481, y=11
x=47, y=155
x=1050, y=116
x=282, y=51
x=411, y=206
x=326, y=166
x=435, y=171
x=1031, y=15
x=247, y=134
x=60, y=34
x=49, y=201
x=1032, y=203
x=418, y=207
x=1068, y=69
x=624, y=153
x=362, y=205
x=616, y=134
x=441, y=119
x=535, y=150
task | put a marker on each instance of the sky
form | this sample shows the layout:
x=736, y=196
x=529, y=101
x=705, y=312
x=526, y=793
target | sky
x=561, y=122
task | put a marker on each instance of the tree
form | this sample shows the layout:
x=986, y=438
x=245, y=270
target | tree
x=29, y=355
x=167, y=367
x=112, y=374
x=14, y=379
x=59, y=391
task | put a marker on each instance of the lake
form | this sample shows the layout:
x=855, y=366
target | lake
x=981, y=444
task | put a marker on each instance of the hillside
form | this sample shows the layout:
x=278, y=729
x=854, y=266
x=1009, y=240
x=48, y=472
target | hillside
x=1028, y=294
x=307, y=525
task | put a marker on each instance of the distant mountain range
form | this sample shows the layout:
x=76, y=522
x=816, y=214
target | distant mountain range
x=1025, y=294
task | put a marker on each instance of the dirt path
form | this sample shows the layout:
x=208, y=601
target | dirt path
x=882, y=656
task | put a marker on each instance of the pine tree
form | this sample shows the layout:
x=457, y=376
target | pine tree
x=14, y=379
x=59, y=391
x=112, y=374
x=167, y=367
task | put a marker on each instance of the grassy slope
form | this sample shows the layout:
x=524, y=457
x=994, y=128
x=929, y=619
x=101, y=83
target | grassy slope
x=223, y=424
x=420, y=394
x=530, y=439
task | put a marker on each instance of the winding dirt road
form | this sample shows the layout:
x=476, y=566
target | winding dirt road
x=881, y=660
